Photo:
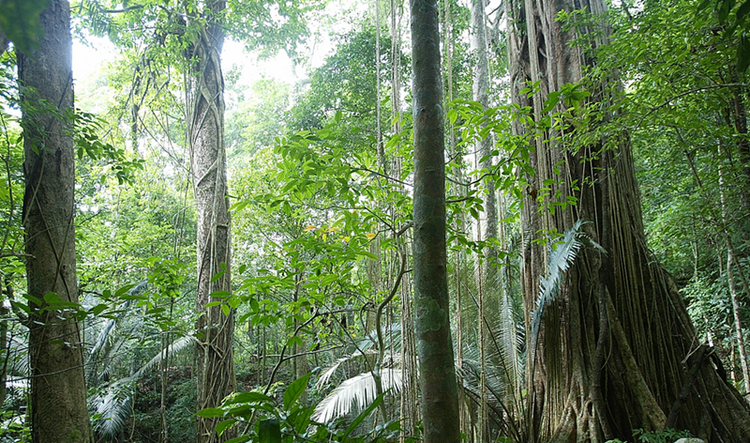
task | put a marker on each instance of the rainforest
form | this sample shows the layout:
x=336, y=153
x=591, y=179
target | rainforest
x=313, y=221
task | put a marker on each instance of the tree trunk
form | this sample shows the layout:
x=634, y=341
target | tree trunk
x=432, y=321
x=616, y=348
x=487, y=223
x=58, y=388
x=214, y=329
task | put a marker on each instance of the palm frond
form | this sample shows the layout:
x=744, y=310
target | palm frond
x=104, y=339
x=112, y=405
x=328, y=373
x=357, y=391
x=112, y=408
x=392, y=335
x=561, y=255
x=366, y=347
x=177, y=346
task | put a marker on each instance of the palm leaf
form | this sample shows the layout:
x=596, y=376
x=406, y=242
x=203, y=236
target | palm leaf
x=112, y=408
x=328, y=373
x=176, y=347
x=357, y=391
x=112, y=405
x=561, y=256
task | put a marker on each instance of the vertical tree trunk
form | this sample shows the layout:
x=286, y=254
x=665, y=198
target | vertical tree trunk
x=738, y=324
x=487, y=223
x=58, y=388
x=617, y=345
x=214, y=329
x=435, y=349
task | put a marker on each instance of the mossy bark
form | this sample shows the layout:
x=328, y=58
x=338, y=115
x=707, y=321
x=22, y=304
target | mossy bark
x=432, y=321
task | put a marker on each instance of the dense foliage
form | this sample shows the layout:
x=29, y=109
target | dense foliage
x=321, y=177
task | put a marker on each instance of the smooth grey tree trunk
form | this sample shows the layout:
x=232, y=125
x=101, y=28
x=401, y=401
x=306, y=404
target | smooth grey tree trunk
x=58, y=388
x=434, y=346
x=214, y=329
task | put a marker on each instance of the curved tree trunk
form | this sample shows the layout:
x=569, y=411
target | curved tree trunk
x=58, y=388
x=617, y=349
x=214, y=329
x=431, y=318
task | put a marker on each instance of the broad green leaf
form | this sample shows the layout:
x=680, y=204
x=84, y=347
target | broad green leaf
x=295, y=390
x=743, y=53
x=51, y=297
x=217, y=276
x=211, y=412
x=250, y=397
x=269, y=431
x=220, y=294
x=224, y=425
x=362, y=416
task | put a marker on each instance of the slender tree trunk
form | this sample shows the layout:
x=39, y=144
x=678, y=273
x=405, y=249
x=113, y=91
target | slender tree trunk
x=619, y=320
x=733, y=286
x=738, y=324
x=487, y=223
x=432, y=319
x=58, y=388
x=214, y=328
x=4, y=342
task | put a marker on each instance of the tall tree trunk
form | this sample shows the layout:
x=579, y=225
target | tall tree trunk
x=487, y=223
x=432, y=321
x=617, y=348
x=214, y=329
x=58, y=388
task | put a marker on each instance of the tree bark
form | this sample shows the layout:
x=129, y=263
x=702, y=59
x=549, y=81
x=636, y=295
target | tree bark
x=214, y=329
x=649, y=337
x=434, y=346
x=58, y=388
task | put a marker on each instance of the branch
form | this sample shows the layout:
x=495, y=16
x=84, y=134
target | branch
x=120, y=11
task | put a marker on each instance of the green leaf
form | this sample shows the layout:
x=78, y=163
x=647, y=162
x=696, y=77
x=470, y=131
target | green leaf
x=98, y=309
x=743, y=53
x=269, y=431
x=123, y=290
x=295, y=390
x=211, y=412
x=220, y=294
x=19, y=20
x=725, y=7
x=250, y=397
x=51, y=297
x=217, y=276
x=224, y=425
x=743, y=10
x=362, y=416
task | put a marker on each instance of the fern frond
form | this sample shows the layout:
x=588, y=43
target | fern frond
x=357, y=391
